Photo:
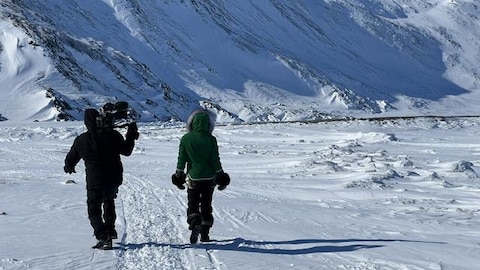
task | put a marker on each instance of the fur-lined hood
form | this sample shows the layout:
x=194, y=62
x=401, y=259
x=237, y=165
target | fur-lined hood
x=201, y=120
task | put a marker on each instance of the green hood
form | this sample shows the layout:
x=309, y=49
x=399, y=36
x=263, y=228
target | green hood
x=207, y=120
x=198, y=149
x=201, y=122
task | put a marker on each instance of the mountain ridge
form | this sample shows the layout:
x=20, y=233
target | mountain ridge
x=247, y=60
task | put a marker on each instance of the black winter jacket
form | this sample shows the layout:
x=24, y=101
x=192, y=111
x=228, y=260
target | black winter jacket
x=101, y=153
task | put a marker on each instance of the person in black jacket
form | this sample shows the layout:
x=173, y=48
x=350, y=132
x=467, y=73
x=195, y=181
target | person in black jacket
x=101, y=149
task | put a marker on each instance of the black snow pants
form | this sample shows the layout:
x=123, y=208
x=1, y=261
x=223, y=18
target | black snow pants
x=200, y=195
x=103, y=222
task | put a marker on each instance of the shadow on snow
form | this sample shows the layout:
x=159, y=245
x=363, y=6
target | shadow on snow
x=267, y=247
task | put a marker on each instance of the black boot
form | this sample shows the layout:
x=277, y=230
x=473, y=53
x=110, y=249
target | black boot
x=204, y=234
x=194, y=221
x=112, y=233
x=104, y=244
x=194, y=235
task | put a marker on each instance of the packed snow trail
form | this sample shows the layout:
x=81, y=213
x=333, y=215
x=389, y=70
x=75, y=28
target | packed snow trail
x=152, y=225
x=154, y=212
x=156, y=234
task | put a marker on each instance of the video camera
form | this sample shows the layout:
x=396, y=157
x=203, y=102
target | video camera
x=116, y=115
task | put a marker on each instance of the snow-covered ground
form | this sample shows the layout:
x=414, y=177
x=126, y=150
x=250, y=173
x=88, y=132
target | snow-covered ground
x=339, y=195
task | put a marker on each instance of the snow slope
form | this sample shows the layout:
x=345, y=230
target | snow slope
x=357, y=195
x=248, y=60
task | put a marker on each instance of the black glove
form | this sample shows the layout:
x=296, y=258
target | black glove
x=222, y=179
x=178, y=179
x=132, y=131
x=68, y=169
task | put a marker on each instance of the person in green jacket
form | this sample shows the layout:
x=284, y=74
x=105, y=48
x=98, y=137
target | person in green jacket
x=198, y=154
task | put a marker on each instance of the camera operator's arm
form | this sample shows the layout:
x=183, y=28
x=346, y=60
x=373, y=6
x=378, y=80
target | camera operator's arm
x=71, y=160
x=132, y=135
x=132, y=132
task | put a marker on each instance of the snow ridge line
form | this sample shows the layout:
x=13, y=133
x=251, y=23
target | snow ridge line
x=352, y=118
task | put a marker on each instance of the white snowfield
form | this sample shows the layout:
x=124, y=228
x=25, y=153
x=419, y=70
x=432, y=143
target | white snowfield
x=340, y=195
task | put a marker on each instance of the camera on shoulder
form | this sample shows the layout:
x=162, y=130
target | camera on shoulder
x=116, y=115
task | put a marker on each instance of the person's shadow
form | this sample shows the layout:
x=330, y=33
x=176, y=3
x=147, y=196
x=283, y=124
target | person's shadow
x=271, y=247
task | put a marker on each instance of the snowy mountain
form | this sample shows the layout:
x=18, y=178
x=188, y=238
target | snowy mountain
x=250, y=60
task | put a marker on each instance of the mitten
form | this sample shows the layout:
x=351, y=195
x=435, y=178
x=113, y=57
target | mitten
x=222, y=179
x=68, y=169
x=178, y=179
x=132, y=131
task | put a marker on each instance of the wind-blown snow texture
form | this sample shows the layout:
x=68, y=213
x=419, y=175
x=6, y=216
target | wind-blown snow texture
x=251, y=60
x=352, y=195
x=341, y=195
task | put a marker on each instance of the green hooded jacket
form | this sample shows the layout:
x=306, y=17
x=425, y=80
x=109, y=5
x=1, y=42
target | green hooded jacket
x=198, y=150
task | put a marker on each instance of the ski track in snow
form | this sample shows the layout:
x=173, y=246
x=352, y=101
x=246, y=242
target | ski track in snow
x=155, y=233
x=150, y=227
x=318, y=196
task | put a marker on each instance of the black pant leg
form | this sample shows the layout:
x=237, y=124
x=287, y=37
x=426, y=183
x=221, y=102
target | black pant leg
x=94, y=206
x=193, y=208
x=109, y=214
x=206, y=209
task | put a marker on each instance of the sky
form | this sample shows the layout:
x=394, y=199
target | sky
x=397, y=194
